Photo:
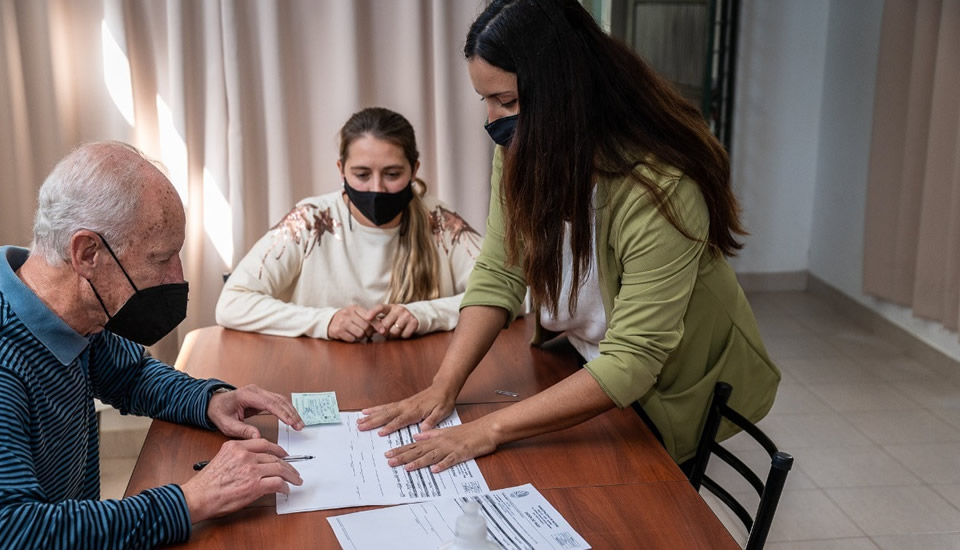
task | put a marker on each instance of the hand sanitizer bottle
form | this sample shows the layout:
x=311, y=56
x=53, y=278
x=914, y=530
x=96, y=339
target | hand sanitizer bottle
x=471, y=531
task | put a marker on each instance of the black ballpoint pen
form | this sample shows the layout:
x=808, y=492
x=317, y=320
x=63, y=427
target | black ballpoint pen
x=289, y=458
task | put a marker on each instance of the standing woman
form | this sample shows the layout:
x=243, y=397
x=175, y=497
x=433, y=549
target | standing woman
x=379, y=256
x=611, y=200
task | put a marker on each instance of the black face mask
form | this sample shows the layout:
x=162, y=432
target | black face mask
x=501, y=130
x=150, y=314
x=379, y=207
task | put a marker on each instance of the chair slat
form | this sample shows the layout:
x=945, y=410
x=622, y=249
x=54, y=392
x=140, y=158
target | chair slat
x=758, y=526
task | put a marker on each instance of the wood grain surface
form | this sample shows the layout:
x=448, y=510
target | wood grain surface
x=609, y=477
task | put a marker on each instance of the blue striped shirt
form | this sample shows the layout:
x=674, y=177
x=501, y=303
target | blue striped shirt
x=49, y=441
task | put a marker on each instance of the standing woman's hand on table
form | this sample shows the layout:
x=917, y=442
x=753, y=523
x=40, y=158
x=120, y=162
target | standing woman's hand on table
x=442, y=449
x=429, y=407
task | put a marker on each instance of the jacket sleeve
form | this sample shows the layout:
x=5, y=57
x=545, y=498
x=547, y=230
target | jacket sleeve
x=156, y=516
x=493, y=282
x=660, y=267
x=250, y=298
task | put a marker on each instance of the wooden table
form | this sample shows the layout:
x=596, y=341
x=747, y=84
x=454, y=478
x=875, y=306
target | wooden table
x=609, y=477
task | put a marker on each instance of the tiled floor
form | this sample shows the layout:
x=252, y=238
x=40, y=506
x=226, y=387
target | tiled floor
x=875, y=435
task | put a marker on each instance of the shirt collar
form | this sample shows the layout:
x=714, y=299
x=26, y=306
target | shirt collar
x=53, y=332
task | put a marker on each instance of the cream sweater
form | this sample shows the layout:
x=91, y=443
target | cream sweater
x=312, y=263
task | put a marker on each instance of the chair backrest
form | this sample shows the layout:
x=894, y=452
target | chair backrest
x=758, y=526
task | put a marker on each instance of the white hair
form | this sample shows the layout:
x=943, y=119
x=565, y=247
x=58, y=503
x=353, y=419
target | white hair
x=97, y=187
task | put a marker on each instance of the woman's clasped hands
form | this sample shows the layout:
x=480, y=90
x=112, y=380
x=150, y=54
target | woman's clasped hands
x=355, y=323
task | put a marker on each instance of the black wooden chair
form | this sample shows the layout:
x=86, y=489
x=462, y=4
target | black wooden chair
x=758, y=526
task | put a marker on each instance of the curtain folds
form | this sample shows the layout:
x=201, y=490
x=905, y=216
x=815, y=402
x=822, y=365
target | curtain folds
x=912, y=234
x=241, y=100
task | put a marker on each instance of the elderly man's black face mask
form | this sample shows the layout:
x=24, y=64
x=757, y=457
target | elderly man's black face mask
x=150, y=314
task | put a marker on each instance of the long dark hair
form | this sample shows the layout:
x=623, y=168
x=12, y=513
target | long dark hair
x=415, y=274
x=588, y=106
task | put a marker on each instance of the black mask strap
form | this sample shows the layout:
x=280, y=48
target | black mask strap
x=99, y=299
x=110, y=250
x=97, y=294
x=349, y=213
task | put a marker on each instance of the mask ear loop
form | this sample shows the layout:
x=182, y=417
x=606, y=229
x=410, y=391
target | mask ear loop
x=110, y=250
x=124, y=271
x=349, y=212
x=99, y=299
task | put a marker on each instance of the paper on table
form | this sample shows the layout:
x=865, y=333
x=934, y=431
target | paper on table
x=349, y=468
x=317, y=408
x=518, y=518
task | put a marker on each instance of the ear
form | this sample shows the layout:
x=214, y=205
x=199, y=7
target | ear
x=340, y=169
x=84, y=252
x=416, y=168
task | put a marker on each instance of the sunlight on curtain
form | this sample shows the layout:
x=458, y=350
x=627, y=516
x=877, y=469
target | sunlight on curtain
x=217, y=218
x=173, y=150
x=116, y=74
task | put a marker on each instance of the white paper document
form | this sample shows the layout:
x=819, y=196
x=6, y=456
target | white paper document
x=518, y=518
x=349, y=468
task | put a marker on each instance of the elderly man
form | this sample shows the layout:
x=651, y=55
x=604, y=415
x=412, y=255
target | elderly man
x=102, y=277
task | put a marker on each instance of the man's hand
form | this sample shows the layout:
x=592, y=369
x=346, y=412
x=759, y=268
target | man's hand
x=351, y=324
x=242, y=472
x=228, y=410
x=393, y=321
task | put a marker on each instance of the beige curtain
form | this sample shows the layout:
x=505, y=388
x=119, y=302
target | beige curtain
x=241, y=100
x=912, y=237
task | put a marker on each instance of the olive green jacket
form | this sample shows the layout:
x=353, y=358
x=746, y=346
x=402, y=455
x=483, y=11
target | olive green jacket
x=677, y=320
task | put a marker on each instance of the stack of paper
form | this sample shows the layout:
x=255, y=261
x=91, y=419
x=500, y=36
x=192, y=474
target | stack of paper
x=518, y=518
x=350, y=468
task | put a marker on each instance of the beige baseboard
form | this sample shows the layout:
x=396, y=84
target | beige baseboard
x=943, y=364
x=782, y=281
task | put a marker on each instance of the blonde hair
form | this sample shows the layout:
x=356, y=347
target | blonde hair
x=415, y=275
x=416, y=267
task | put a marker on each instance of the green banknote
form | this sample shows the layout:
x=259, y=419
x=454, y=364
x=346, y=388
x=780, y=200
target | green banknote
x=317, y=408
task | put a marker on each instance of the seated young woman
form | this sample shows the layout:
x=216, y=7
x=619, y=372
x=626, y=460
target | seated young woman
x=377, y=257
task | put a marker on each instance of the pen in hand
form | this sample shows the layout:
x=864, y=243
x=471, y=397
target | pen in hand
x=289, y=458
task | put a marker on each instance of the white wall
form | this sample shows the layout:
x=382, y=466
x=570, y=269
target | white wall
x=836, y=252
x=836, y=246
x=779, y=93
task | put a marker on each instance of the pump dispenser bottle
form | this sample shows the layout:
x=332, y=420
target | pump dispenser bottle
x=471, y=531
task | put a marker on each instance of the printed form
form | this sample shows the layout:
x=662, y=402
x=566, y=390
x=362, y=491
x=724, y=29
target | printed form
x=518, y=518
x=349, y=468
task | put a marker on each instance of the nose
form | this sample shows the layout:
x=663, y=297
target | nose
x=175, y=273
x=493, y=112
x=376, y=184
